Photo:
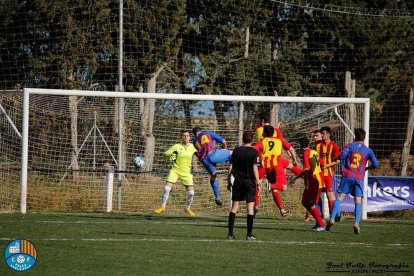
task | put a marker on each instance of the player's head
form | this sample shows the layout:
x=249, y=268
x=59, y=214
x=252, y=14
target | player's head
x=317, y=135
x=185, y=136
x=326, y=133
x=247, y=137
x=360, y=134
x=196, y=130
x=268, y=131
x=304, y=142
x=264, y=118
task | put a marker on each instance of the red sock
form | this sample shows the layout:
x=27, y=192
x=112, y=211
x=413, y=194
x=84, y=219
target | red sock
x=317, y=216
x=296, y=170
x=331, y=204
x=277, y=199
x=256, y=199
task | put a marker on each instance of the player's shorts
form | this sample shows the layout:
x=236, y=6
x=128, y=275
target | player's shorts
x=351, y=186
x=327, y=180
x=185, y=178
x=243, y=189
x=218, y=156
x=276, y=176
x=311, y=195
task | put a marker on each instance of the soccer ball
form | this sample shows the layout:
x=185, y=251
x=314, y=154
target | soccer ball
x=138, y=162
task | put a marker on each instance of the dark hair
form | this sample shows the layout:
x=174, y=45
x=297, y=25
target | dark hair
x=327, y=129
x=304, y=142
x=265, y=116
x=195, y=130
x=268, y=131
x=247, y=136
x=184, y=131
x=360, y=134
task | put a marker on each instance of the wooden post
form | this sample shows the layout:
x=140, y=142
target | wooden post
x=409, y=136
x=351, y=112
x=241, y=123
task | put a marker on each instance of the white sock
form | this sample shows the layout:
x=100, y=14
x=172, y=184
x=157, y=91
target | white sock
x=165, y=196
x=189, y=199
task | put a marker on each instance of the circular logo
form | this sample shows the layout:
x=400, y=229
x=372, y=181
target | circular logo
x=20, y=255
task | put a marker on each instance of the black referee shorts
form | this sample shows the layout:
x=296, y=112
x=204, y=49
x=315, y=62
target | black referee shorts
x=243, y=189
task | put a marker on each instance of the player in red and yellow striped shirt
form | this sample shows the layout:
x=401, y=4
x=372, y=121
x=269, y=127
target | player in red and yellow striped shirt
x=313, y=178
x=270, y=148
x=329, y=151
x=264, y=120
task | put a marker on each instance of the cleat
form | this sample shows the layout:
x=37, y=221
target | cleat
x=283, y=213
x=189, y=212
x=319, y=229
x=251, y=238
x=329, y=226
x=218, y=201
x=315, y=226
x=231, y=237
x=357, y=230
x=159, y=210
x=338, y=219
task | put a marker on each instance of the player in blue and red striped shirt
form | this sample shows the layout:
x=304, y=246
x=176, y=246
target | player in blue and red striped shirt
x=209, y=156
x=354, y=159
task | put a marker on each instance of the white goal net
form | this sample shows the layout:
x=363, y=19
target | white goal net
x=58, y=144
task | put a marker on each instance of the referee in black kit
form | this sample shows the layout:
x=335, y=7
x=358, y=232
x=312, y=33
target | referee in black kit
x=243, y=167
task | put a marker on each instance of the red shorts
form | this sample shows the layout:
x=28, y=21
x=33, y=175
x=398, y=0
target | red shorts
x=276, y=177
x=311, y=195
x=327, y=180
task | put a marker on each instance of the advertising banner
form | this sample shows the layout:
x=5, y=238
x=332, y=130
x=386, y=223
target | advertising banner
x=384, y=194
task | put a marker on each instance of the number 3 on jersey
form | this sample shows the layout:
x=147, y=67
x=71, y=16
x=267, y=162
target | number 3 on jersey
x=356, y=160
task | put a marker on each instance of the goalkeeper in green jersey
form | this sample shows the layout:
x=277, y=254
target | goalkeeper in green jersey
x=181, y=156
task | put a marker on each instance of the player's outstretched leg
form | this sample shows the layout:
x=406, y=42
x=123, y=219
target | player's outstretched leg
x=335, y=209
x=215, y=186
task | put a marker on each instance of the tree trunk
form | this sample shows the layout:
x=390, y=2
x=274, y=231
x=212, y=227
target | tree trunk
x=219, y=110
x=148, y=120
x=247, y=41
x=409, y=136
x=73, y=109
x=275, y=50
x=187, y=107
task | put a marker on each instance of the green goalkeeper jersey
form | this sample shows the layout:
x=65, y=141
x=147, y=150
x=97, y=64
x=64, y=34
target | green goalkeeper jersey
x=181, y=155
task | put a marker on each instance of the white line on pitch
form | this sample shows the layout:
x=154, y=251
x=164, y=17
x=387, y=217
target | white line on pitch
x=352, y=244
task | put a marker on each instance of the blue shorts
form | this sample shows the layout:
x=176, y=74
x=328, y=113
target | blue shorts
x=351, y=186
x=218, y=156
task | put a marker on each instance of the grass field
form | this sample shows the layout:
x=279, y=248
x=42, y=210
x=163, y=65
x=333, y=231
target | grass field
x=132, y=244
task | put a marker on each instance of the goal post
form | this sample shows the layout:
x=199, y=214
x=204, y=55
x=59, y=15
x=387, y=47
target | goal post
x=307, y=113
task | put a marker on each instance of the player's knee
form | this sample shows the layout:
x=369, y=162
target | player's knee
x=213, y=176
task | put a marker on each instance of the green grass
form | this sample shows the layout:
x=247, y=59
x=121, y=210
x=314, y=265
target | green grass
x=120, y=244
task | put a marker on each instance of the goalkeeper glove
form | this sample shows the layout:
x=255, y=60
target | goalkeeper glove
x=173, y=156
